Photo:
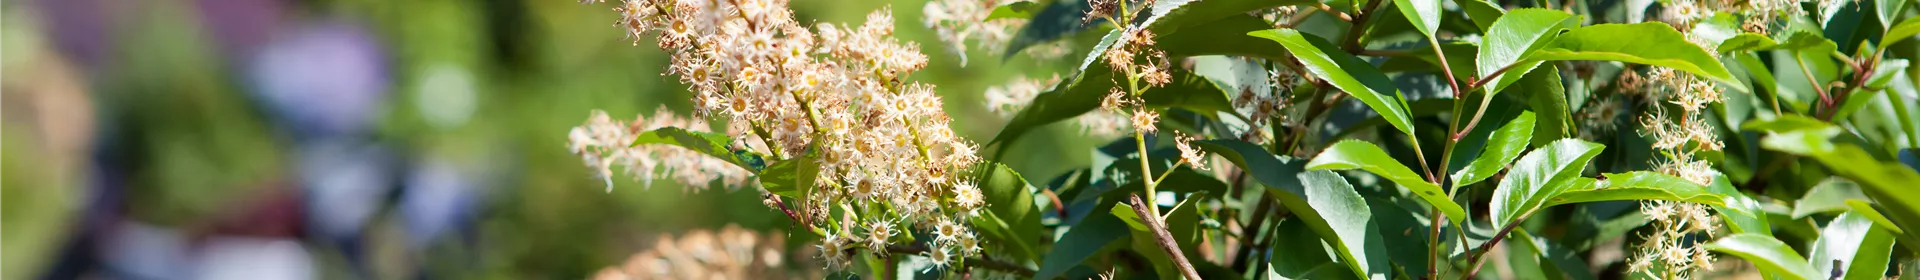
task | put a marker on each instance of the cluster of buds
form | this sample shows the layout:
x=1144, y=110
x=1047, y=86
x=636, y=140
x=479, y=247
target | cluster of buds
x=731, y=253
x=1667, y=252
x=832, y=94
x=604, y=143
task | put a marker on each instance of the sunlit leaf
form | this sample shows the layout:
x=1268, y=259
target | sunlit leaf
x=1346, y=72
x=1772, y=256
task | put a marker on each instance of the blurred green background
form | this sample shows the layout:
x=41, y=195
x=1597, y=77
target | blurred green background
x=261, y=139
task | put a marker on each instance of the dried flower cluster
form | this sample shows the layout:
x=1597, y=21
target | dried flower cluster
x=833, y=94
x=731, y=253
x=1667, y=252
x=605, y=143
x=1265, y=105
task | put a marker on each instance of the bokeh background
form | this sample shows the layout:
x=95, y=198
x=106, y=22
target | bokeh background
x=365, y=139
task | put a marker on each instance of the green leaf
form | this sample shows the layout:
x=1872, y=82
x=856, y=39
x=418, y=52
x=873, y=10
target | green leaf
x=1637, y=185
x=791, y=178
x=1829, y=196
x=1355, y=154
x=1505, y=145
x=1653, y=43
x=1539, y=175
x=1802, y=142
x=1547, y=252
x=1760, y=42
x=1854, y=242
x=1304, y=258
x=1180, y=222
x=1080, y=242
x=1021, y=10
x=1902, y=31
x=1482, y=13
x=1772, y=256
x=1742, y=213
x=1346, y=72
x=1547, y=97
x=1322, y=199
x=1785, y=123
x=1517, y=35
x=1866, y=209
x=1889, y=10
x=1424, y=14
x=1010, y=206
x=712, y=144
x=1083, y=93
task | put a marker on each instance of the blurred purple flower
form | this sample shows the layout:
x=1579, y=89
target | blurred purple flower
x=325, y=79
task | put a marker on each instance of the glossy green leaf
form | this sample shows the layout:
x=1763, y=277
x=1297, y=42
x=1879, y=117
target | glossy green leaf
x=1902, y=31
x=1538, y=176
x=1772, y=256
x=1742, y=213
x=1505, y=145
x=1019, y=10
x=1653, y=43
x=1859, y=249
x=712, y=144
x=1424, y=14
x=1354, y=154
x=1551, y=257
x=1305, y=260
x=1888, y=11
x=1802, y=142
x=1322, y=199
x=1011, y=207
x=791, y=178
x=1083, y=93
x=1637, y=185
x=1482, y=13
x=1785, y=123
x=1080, y=242
x=1546, y=95
x=1760, y=42
x=1866, y=209
x=1827, y=197
x=1346, y=72
x=1517, y=35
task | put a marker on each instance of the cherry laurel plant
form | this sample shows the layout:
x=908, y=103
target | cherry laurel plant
x=1370, y=139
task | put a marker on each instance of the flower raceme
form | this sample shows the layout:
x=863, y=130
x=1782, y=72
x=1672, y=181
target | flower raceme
x=832, y=94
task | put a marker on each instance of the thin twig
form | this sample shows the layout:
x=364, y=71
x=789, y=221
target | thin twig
x=1165, y=239
x=1474, y=261
x=1336, y=13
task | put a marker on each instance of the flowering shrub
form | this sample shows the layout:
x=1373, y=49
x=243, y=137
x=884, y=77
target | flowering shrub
x=1413, y=139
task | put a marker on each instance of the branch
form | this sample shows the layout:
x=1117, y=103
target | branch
x=1474, y=262
x=1165, y=239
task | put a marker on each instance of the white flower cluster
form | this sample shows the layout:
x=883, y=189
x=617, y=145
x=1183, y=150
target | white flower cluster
x=959, y=21
x=1667, y=253
x=605, y=143
x=834, y=94
x=1759, y=15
